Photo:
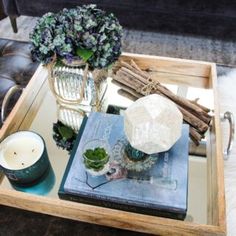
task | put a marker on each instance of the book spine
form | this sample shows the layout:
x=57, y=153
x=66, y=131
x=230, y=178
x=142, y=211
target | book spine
x=124, y=207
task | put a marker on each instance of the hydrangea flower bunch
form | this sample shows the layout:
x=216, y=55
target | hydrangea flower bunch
x=83, y=33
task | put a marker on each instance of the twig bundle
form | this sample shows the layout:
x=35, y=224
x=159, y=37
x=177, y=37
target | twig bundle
x=136, y=83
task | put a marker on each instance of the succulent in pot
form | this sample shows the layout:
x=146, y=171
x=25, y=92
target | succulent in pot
x=96, y=156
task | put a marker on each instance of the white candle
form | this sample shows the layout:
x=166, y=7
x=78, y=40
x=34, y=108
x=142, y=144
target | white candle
x=20, y=150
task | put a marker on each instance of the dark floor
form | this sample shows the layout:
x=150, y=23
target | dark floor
x=23, y=223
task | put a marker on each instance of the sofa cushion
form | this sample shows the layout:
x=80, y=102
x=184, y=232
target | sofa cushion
x=198, y=17
x=16, y=68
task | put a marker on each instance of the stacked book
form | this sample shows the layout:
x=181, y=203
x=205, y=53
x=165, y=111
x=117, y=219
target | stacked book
x=157, y=185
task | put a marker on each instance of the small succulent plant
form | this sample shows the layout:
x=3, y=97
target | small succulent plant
x=95, y=159
x=83, y=33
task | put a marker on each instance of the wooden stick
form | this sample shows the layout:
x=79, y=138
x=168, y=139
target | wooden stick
x=126, y=94
x=129, y=90
x=201, y=106
x=196, y=137
x=137, y=71
x=132, y=74
x=193, y=120
x=144, y=73
x=126, y=81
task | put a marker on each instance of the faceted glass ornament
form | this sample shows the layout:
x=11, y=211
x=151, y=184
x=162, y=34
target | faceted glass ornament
x=153, y=124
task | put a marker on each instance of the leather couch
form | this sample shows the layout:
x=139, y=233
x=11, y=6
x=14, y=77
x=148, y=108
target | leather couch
x=16, y=69
x=2, y=15
x=210, y=18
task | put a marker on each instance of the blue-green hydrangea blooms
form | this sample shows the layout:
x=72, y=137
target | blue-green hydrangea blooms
x=85, y=27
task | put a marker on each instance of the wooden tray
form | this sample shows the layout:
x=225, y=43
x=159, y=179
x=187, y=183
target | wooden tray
x=167, y=70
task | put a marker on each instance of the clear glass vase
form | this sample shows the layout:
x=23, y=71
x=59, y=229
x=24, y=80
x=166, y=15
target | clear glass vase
x=78, y=86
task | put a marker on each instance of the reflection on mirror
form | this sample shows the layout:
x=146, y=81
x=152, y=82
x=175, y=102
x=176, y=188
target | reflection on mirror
x=42, y=187
x=64, y=136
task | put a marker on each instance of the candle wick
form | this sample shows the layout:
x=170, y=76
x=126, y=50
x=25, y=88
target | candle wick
x=32, y=150
x=15, y=153
x=22, y=164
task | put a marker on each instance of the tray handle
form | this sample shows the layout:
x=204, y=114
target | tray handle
x=7, y=99
x=230, y=117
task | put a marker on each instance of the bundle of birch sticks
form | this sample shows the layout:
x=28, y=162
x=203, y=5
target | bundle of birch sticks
x=136, y=83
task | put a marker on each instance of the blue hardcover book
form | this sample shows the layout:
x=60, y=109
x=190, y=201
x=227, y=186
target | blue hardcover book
x=157, y=185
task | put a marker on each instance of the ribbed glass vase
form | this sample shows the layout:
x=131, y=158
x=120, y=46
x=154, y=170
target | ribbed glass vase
x=77, y=85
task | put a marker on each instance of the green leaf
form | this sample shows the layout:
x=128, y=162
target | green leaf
x=85, y=54
x=65, y=132
x=110, y=66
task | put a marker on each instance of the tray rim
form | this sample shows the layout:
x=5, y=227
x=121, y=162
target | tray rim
x=111, y=217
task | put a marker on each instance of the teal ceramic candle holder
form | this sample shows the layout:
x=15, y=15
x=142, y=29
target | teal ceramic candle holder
x=42, y=186
x=23, y=158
